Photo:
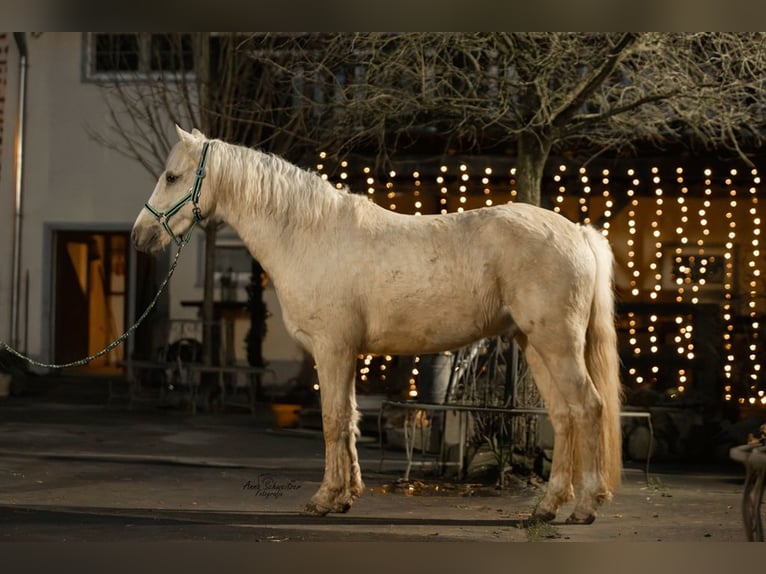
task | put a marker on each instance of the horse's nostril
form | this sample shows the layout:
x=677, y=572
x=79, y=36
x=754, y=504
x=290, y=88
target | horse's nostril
x=134, y=237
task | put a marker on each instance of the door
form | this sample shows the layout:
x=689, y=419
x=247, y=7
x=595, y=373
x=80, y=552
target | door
x=90, y=296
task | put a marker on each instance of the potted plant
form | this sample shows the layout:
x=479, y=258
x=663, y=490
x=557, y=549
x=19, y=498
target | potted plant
x=288, y=404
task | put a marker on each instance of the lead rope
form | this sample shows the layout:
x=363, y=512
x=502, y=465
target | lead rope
x=114, y=343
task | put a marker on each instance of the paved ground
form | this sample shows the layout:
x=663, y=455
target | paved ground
x=81, y=472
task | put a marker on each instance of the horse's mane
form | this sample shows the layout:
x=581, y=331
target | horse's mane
x=263, y=183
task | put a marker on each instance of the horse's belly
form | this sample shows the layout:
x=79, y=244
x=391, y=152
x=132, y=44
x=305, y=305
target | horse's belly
x=432, y=329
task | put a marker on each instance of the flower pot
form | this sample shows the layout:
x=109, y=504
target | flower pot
x=286, y=415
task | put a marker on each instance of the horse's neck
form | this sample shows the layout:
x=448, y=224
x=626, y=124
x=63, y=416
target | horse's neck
x=264, y=216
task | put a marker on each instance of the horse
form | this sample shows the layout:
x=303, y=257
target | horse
x=352, y=277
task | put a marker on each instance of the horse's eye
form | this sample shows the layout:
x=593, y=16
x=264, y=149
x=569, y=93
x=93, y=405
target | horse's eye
x=170, y=178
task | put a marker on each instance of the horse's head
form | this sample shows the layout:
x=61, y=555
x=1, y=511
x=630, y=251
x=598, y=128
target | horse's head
x=179, y=200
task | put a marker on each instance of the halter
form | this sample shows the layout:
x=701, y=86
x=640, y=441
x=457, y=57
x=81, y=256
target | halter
x=192, y=195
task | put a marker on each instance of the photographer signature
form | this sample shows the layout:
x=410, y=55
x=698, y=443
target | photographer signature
x=270, y=486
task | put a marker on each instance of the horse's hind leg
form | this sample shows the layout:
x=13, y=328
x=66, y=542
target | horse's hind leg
x=559, y=489
x=579, y=415
x=342, y=482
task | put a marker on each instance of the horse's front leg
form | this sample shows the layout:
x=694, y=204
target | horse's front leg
x=342, y=482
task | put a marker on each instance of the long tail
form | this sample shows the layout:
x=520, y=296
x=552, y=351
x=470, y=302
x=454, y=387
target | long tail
x=602, y=360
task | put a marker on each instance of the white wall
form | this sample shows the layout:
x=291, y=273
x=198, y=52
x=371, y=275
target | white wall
x=71, y=180
x=7, y=189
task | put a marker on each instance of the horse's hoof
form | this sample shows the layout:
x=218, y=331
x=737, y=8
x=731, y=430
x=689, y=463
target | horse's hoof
x=540, y=516
x=341, y=507
x=314, y=509
x=587, y=519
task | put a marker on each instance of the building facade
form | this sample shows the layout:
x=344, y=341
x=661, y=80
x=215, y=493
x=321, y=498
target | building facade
x=81, y=282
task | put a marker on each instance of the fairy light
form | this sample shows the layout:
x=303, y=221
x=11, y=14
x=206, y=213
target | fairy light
x=656, y=234
x=635, y=272
x=754, y=272
x=443, y=191
x=416, y=192
x=682, y=238
x=701, y=262
x=676, y=217
x=390, y=193
x=684, y=280
x=608, y=203
x=729, y=289
x=463, y=181
x=487, y=190
x=584, y=200
x=560, y=188
x=413, y=380
x=343, y=174
x=654, y=267
x=633, y=341
x=514, y=191
x=370, y=181
x=320, y=166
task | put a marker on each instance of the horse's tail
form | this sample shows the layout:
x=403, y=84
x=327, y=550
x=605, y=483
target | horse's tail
x=603, y=362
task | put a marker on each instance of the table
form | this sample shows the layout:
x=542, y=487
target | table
x=410, y=421
x=186, y=372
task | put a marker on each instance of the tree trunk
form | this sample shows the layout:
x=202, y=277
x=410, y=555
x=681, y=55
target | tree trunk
x=533, y=151
x=202, y=59
x=208, y=297
x=257, y=332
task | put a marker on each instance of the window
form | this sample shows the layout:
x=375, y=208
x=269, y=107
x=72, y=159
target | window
x=233, y=261
x=137, y=56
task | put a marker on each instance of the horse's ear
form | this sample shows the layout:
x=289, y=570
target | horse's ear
x=197, y=133
x=183, y=136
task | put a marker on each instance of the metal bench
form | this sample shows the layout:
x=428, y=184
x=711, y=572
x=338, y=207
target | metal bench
x=410, y=421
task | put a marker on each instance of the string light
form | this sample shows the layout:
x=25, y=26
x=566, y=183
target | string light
x=487, y=190
x=654, y=268
x=754, y=271
x=682, y=271
x=633, y=268
x=608, y=203
x=443, y=191
x=728, y=288
x=584, y=199
x=684, y=222
x=463, y=187
x=514, y=191
x=413, y=380
x=560, y=188
x=416, y=193
x=370, y=181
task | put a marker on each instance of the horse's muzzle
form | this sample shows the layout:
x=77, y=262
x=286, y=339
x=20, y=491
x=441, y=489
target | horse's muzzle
x=145, y=239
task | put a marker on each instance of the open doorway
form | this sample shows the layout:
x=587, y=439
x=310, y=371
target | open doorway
x=90, y=299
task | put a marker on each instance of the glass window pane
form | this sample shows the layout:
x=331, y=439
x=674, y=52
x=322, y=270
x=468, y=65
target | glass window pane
x=116, y=52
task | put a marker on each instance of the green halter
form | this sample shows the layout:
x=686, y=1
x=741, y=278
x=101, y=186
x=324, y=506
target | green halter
x=192, y=195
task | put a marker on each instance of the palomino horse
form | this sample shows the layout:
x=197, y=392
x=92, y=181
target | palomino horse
x=354, y=278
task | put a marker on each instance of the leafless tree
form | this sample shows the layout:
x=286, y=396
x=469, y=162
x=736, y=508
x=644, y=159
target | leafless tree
x=197, y=80
x=521, y=94
x=528, y=94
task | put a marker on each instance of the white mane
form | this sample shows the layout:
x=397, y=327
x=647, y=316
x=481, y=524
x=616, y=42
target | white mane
x=267, y=184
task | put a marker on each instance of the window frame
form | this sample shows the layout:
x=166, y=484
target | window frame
x=144, y=71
